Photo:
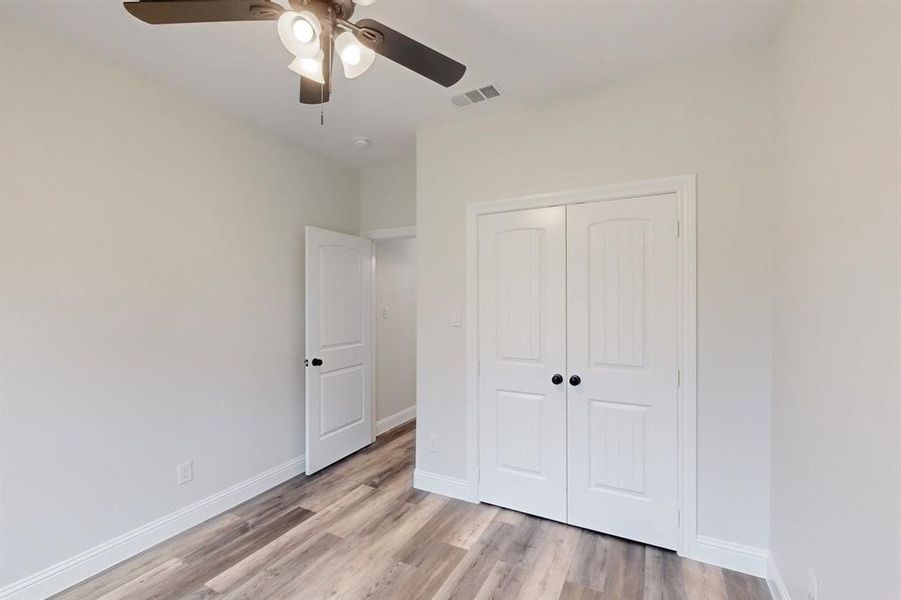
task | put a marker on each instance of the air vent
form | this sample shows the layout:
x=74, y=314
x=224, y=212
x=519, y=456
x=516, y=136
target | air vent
x=489, y=91
x=475, y=96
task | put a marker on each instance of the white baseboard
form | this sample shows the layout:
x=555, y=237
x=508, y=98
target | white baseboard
x=730, y=555
x=395, y=420
x=445, y=486
x=81, y=566
x=774, y=581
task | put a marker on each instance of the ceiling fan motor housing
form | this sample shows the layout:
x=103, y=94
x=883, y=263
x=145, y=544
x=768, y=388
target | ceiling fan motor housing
x=340, y=8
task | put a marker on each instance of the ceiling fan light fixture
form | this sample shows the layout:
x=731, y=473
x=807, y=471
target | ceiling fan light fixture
x=309, y=29
x=352, y=56
x=309, y=67
x=299, y=33
x=355, y=57
x=303, y=31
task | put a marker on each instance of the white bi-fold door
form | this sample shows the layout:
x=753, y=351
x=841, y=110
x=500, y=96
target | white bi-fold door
x=338, y=346
x=587, y=292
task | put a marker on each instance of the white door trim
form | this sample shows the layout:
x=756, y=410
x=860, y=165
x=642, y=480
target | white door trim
x=684, y=187
x=387, y=234
x=375, y=235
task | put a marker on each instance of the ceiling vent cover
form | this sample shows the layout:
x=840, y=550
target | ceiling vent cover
x=475, y=96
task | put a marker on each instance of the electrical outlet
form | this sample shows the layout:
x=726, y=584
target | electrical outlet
x=185, y=472
x=385, y=312
x=433, y=443
x=812, y=585
x=456, y=319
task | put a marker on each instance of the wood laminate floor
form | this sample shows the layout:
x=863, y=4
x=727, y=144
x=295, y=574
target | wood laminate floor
x=358, y=530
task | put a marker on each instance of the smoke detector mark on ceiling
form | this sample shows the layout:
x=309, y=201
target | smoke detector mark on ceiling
x=475, y=96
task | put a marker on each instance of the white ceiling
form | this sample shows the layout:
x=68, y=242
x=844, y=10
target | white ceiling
x=528, y=49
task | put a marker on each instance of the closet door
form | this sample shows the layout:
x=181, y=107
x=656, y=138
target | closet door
x=622, y=368
x=522, y=350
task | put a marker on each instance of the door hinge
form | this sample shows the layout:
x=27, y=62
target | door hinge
x=679, y=518
x=678, y=228
x=678, y=377
x=479, y=368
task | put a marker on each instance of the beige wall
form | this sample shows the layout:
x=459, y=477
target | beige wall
x=711, y=117
x=152, y=293
x=388, y=196
x=395, y=356
x=836, y=491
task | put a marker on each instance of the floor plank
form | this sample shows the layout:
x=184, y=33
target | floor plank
x=359, y=531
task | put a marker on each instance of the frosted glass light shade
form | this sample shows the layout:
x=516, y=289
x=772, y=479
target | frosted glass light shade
x=355, y=57
x=294, y=29
x=309, y=67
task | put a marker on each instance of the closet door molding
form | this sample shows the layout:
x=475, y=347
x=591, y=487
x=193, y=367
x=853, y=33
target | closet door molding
x=684, y=187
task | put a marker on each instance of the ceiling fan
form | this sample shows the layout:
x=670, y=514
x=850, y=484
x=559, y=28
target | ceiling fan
x=313, y=31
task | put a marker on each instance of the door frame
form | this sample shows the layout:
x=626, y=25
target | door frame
x=376, y=235
x=684, y=187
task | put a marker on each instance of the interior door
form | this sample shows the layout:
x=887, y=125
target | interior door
x=622, y=260
x=522, y=346
x=338, y=346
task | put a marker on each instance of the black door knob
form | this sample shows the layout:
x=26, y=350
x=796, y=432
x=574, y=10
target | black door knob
x=317, y=362
x=557, y=379
x=575, y=380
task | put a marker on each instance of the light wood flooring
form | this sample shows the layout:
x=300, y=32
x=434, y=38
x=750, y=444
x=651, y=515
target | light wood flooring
x=358, y=530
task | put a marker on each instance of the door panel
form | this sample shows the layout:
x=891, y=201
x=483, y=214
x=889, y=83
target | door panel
x=338, y=332
x=522, y=415
x=341, y=309
x=616, y=275
x=621, y=333
x=342, y=394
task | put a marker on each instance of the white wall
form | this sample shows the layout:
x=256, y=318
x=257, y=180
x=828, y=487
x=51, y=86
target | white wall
x=711, y=117
x=836, y=491
x=395, y=277
x=152, y=293
x=388, y=196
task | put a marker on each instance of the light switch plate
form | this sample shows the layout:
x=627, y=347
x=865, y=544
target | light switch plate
x=456, y=318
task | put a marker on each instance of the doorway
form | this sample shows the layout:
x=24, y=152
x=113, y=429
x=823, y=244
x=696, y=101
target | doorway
x=564, y=471
x=394, y=256
x=578, y=381
x=360, y=339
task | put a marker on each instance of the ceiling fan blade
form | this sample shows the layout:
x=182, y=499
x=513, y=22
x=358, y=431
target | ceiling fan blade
x=411, y=54
x=162, y=12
